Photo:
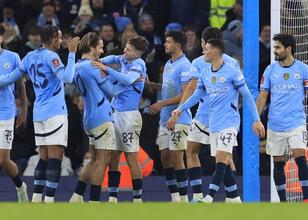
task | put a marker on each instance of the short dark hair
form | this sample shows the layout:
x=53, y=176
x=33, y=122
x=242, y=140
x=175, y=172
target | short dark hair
x=91, y=39
x=286, y=40
x=211, y=33
x=139, y=43
x=217, y=43
x=178, y=37
x=48, y=33
x=2, y=30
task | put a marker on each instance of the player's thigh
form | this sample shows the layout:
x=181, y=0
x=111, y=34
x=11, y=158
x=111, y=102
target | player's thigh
x=276, y=143
x=193, y=148
x=51, y=132
x=6, y=134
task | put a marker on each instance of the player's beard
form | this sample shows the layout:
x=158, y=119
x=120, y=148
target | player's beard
x=280, y=58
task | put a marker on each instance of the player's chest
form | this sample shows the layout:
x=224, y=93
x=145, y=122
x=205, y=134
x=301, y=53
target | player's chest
x=6, y=66
x=286, y=78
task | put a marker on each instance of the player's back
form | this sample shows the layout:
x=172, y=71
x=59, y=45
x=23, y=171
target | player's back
x=42, y=65
x=221, y=86
x=8, y=62
x=97, y=108
x=176, y=73
x=130, y=98
x=286, y=87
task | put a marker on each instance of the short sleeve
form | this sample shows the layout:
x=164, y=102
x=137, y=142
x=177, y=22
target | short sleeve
x=185, y=75
x=265, y=84
x=55, y=63
x=238, y=78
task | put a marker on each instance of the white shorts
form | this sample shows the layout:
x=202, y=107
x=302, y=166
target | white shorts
x=53, y=131
x=173, y=140
x=199, y=133
x=277, y=142
x=103, y=136
x=6, y=134
x=224, y=140
x=128, y=126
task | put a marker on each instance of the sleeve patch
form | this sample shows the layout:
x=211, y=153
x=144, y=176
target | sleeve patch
x=55, y=62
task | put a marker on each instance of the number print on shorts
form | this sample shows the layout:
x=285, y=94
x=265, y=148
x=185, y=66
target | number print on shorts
x=127, y=138
x=226, y=138
x=8, y=135
x=176, y=137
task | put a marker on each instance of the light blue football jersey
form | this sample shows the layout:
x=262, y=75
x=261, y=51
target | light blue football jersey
x=97, y=108
x=42, y=65
x=222, y=87
x=130, y=98
x=8, y=62
x=286, y=86
x=197, y=66
x=176, y=73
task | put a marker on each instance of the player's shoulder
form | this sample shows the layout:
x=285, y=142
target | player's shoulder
x=10, y=54
x=199, y=61
x=138, y=64
x=230, y=60
x=231, y=68
x=300, y=64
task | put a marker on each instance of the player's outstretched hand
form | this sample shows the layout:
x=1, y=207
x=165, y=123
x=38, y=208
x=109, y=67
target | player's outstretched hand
x=99, y=65
x=172, y=120
x=73, y=44
x=258, y=128
x=155, y=108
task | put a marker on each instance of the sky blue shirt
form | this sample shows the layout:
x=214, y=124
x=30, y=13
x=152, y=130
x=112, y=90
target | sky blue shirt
x=286, y=86
x=175, y=75
x=47, y=74
x=8, y=62
x=97, y=108
x=197, y=66
x=131, y=72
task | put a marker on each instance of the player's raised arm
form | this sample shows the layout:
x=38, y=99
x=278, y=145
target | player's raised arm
x=67, y=74
x=111, y=59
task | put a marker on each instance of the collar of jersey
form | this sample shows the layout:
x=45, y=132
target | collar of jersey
x=214, y=71
x=177, y=58
x=287, y=66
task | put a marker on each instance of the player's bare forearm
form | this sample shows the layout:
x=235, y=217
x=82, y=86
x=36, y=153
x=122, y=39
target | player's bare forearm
x=172, y=101
x=156, y=86
x=190, y=89
x=23, y=101
x=261, y=101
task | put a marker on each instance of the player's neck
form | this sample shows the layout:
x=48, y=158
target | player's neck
x=176, y=55
x=288, y=61
x=88, y=56
x=48, y=47
x=217, y=63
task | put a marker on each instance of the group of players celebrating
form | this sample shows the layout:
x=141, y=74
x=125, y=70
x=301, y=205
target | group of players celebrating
x=113, y=122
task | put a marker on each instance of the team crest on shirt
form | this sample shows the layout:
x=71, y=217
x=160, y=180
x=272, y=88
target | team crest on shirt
x=286, y=76
x=297, y=75
x=222, y=79
x=55, y=62
x=6, y=65
x=213, y=79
